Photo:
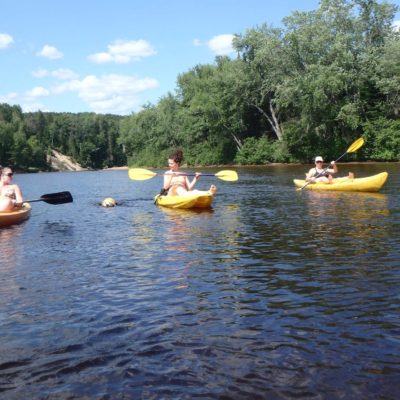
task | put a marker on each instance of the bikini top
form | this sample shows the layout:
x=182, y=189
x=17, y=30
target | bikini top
x=176, y=181
x=9, y=192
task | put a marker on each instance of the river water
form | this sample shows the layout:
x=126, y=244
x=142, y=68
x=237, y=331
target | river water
x=272, y=294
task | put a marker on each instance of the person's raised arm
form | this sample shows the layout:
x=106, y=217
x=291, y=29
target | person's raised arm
x=167, y=180
x=18, y=202
x=334, y=168
x=190, y=185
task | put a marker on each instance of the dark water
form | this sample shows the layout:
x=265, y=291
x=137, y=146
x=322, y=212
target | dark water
x=273, y=294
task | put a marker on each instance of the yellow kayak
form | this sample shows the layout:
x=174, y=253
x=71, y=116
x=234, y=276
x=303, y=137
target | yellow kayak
x=368, y=184
x=192, y=199
x=16, y=216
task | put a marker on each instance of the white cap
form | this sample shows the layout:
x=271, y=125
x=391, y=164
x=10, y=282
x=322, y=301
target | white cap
x=319, y=158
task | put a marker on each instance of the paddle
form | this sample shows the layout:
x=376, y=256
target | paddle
x=54, y=198
x=141, y=174
x=352, y=148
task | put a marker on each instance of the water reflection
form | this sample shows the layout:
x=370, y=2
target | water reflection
x=362, y=211
x=9, y=259
x=358, y=205
x=143, y=234
x=348, y=225
x=182, y=230
x=8, y=250
x=268, y=295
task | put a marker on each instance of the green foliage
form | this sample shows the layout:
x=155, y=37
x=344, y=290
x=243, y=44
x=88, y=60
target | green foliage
x=388, y=76
x=90, y=139
x=308, y=88
x=300, y=144
x=262, y=151
x=255, y=151
x=382, y=139
x=209, y=153
x=27, y=152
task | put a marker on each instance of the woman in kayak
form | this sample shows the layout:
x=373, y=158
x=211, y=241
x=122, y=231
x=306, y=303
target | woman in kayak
x=320, y=174
x=10, y=194
x=175, y=183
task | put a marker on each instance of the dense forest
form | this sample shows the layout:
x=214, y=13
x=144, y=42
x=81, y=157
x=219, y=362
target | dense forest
x=314, y=85
x=27, y=138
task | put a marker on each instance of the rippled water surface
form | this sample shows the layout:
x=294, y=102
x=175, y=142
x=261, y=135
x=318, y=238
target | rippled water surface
x=272, y=294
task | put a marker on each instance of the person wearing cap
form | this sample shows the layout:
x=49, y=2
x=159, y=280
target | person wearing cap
x=319, y=173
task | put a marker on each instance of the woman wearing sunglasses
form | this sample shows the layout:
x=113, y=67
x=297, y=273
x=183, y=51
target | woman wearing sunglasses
x=319, y=173
x=10, y=194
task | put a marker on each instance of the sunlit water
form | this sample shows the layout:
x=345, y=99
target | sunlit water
x=272, y=294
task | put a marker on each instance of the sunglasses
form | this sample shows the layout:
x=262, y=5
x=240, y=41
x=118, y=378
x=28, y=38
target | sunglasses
x=8, y=174
x=318, y=162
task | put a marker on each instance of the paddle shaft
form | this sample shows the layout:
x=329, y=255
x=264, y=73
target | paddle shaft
x=53, y=198
x=225, y=175
x=142, y=174
x=32, y=201
x=184, y=174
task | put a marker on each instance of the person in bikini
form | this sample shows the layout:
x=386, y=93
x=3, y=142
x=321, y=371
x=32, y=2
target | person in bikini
x=319, y=174
x=10, y=194
x=175, y=183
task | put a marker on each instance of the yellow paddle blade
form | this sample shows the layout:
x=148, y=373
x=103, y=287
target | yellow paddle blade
x=356, y=145
x=140, y=174
x=227, y=175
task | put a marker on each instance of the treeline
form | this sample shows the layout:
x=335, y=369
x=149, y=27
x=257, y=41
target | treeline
x=26, y=139
x=313, y=86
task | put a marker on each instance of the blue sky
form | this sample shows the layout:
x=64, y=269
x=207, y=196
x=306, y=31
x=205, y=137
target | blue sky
x=115, y=56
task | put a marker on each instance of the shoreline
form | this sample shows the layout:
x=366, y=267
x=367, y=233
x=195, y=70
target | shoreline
x=124, y=168
x=227, y=166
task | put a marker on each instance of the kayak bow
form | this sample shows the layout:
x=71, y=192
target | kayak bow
x=15, y=216
x=192, y=199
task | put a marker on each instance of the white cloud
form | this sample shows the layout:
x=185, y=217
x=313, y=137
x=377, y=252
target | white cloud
x=133, y=48
x=27, y=103
x=9, y=98
x=50, y=52
x=197, y=42
x=37, y=91
x=109, y=93
x=124, y=51
x=100, y=58
x=121, y=105
x=40, y=73
x=33, y=106
x=63, y=74
x=5, y=40
x=114, y=94
x=221, y=45
x=396, y=26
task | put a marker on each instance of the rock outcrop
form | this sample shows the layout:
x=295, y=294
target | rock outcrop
x=60, y=162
